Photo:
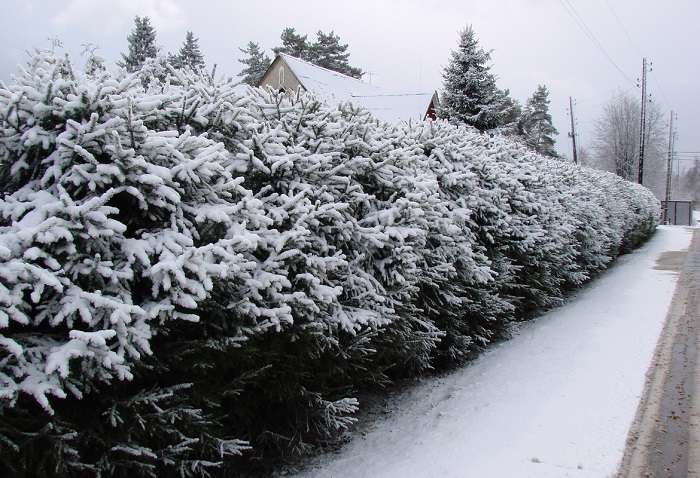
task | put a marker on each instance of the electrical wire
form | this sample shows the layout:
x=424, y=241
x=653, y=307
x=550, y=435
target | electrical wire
x=623, y=28
x=588, y=100
x=598, y=105
x=582, y=25
x=661, y=90
x=566, y=4
x=639, y=52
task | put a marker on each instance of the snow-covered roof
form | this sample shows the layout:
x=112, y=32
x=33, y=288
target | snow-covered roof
x=327, y=83
x=397, y=106
x=331, y=85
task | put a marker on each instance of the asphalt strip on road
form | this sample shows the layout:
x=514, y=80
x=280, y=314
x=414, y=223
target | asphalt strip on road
x=664, y=440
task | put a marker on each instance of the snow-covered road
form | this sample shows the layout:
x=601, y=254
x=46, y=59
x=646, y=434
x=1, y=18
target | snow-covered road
x=555, y=401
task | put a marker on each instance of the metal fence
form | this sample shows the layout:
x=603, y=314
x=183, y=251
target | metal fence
x=677, y=213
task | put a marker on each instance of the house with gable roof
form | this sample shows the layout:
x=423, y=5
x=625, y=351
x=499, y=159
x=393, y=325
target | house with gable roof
x=289, y=73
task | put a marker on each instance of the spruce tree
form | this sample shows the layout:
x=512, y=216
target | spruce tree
x=329, y=53
x=256, y=63
x=142, y=45
x=470, y=94
x=183, y=265
x=113, y=232
x=189, y=55
x=509, y=114
x=537, y=126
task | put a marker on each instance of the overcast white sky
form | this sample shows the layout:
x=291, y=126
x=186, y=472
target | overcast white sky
x=406, y=43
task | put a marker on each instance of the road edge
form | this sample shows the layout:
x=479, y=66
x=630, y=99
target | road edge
x=636, y=458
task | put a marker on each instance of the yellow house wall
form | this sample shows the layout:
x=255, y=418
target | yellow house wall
x=280, y=76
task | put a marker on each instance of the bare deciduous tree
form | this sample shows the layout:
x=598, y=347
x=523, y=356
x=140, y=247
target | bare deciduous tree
x=616, y=141
x=585, y=157
x=689, y=179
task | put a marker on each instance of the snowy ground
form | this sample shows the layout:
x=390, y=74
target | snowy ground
x=555, y=401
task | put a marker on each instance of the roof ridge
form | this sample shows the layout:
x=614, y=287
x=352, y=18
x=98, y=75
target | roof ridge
x=314, y=65
x=395, y=93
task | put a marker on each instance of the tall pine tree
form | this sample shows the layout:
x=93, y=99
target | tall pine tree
x=326, y=52
x=329, y=53
x=256, y=64
x=293, y=44
x=142, y=45
x=538, y=128
x=189, y=55
x=470, y=94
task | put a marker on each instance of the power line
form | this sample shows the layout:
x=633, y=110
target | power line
x=582, y=25
x=566, y=4
x=598, y=105
x=623, y=28
x=586, y=100
x=640, y=53
x=661, y=90
x=594, y=107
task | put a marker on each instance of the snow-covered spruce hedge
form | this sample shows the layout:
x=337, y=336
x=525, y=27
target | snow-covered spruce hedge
x=188, y=274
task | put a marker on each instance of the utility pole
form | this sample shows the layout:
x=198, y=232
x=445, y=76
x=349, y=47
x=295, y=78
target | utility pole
x=572, y=134
x=669, y=169
x=643, y=122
